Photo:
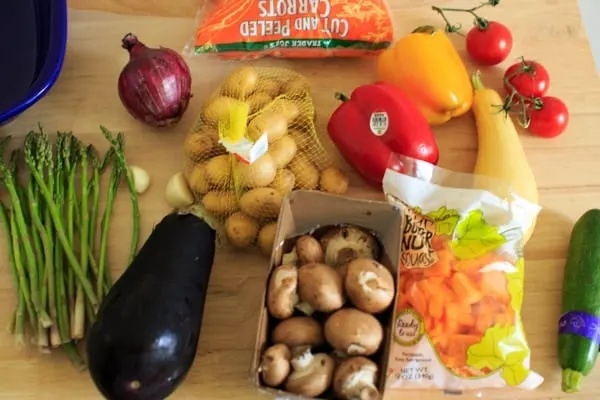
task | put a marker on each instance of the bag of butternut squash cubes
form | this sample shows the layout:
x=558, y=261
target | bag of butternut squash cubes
x=457, y=321
x=254, y=142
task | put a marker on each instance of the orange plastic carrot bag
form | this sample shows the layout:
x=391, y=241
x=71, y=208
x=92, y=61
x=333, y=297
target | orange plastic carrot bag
x=457, y=322
x=249, y=29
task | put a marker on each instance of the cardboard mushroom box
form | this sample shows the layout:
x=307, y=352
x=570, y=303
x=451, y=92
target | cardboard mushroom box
x=324, y=330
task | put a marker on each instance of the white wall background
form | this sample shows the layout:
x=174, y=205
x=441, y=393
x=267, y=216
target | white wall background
x=590, y=11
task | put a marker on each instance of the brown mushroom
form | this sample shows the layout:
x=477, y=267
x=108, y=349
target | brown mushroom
x=353, y=332
x=308, y=250
x=369, y=285
x=356, y=378
x=298, y=331
x=275, y=365
x=290, y=258
x=320, y=288
x=311, y=375
x=282, y=294
x=346, y=243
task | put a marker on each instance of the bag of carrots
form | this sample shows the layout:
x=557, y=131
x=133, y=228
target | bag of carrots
x=250, y=29
x=254, y=142
x=457, y=320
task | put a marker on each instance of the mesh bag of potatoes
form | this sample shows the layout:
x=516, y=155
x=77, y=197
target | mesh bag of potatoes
x=254, y=142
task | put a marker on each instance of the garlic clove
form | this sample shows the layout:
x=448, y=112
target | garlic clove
x=141, y=179
x=178, y=193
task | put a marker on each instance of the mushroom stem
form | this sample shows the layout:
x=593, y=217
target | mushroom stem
x=305, y=308
x=290, y=258
x=368, y=280
x=302, y=362
x=355, y=379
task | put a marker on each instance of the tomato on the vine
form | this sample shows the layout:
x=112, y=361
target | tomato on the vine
x=489, y=42
x=549, y=118
x=529, y=78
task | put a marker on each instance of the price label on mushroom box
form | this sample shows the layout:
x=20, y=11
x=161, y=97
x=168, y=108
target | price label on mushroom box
x=255, y=27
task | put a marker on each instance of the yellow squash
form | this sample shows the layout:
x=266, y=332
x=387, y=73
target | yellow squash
x=500, y=154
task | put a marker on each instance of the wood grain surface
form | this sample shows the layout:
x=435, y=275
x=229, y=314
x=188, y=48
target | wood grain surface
x=85, y=96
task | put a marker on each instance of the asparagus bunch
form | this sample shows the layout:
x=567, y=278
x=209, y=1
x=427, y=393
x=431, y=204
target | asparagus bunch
x=59, y=272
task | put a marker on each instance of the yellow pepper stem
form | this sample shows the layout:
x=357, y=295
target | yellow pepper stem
x=425, y=29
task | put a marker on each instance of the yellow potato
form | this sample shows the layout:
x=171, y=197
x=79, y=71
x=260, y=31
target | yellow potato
x=294, y=86
x=274, y=125
x=307, y=175
x=260, y=173
x=270, y=86
x=266, y=238
x=241, y=83
x=284, y=181
x=333, y=181
x=258, y=100
x=288, y=108
x=241, y=230
x=261, y=203
x=301, y=137
x=217, y=109
x=220, y=203
x=283, y=151
x=218, y=170
x=202, y=145
x=197, y=179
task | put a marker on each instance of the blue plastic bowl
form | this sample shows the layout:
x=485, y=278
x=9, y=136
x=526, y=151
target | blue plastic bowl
x=33, y=40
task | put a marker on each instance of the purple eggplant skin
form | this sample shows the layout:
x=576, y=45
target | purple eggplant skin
x=144, y=340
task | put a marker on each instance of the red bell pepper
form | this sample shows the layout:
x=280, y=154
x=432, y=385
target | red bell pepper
x=379, y=120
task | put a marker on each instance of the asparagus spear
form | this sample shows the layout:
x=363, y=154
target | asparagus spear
x=118, y=144
x=79, y=318
x=60, y=230
x=111, y=193
x=39, y=143
x=18, y=321
x=62, y=303
x=10, y=183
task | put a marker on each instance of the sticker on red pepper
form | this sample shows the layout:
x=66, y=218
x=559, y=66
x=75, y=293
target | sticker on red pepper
x=379, y=123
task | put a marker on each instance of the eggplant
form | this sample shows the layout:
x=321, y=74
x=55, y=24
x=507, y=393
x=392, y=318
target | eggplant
x=145, y=337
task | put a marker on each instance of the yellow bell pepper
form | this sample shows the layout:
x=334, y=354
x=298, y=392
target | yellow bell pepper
x=429, y=70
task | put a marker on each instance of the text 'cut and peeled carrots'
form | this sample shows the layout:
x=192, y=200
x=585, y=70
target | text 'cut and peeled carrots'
x=246, y=29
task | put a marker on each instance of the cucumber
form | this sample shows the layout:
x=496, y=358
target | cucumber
x=579, y=326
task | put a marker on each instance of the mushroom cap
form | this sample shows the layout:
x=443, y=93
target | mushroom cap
x=282, y=295
x=314, y=379
x=309, y=250
x=275, y=365
x=369, y=285
x=298, y=331
x=353, y=332
x=346, y=243
x=356, y=378
x=321, y=287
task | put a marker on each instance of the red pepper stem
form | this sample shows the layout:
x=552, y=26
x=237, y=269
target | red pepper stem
x=341, y=96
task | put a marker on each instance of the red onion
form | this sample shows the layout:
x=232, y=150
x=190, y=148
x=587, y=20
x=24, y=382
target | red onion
x=155, y=84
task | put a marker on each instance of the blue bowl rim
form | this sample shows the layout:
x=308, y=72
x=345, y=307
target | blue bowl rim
x=52, y=66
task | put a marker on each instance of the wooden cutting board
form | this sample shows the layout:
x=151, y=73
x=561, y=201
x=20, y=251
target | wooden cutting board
x=86, y=96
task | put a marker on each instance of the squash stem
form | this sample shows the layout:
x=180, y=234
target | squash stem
x=476, y=80
x=571, y=380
